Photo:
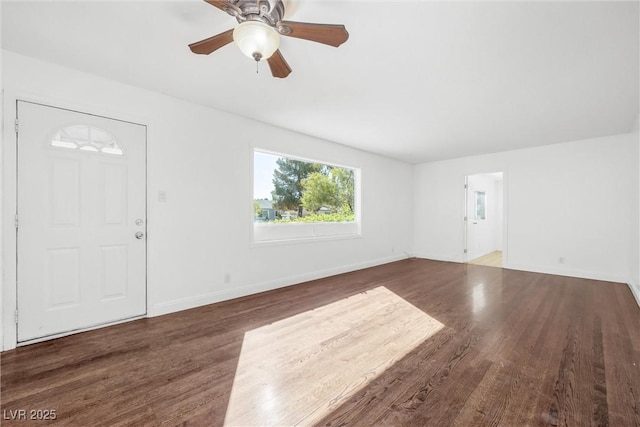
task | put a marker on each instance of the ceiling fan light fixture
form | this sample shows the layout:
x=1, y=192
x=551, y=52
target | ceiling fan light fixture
x=256, y=39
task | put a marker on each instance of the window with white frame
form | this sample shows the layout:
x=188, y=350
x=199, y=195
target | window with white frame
x=480, y=202
x=302, y=199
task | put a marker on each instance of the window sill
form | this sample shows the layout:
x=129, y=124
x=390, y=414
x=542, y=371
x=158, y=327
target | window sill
x=279, y=234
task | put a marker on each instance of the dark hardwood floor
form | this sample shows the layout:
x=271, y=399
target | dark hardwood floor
x=514, y=349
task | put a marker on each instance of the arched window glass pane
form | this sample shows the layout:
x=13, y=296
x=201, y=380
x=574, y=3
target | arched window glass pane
x=86, y=138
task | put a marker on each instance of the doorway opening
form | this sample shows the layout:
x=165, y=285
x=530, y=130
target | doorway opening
x=484, y=219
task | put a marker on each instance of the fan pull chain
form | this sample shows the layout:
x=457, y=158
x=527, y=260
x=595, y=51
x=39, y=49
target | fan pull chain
x=257, y=63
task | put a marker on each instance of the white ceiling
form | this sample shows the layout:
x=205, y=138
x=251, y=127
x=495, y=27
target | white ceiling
x=416, y=81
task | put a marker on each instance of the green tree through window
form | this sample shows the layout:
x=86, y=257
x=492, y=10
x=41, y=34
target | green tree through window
x=287, y=182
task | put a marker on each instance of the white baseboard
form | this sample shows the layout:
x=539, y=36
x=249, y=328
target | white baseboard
x=227, y=294
x=434, y=257
x=581, y=274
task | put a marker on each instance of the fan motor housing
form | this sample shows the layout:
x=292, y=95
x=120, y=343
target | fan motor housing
x=268, y=11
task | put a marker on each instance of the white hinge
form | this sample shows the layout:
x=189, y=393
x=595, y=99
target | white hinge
x=17, y=127
x=466, y=219
x=16, y=221
x=16, y=317
x=465, y=251
x=465, y=186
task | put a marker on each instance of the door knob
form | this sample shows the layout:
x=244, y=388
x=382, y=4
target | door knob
x=139, y=235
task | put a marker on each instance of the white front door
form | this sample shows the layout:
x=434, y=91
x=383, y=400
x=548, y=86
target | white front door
x=81, y=221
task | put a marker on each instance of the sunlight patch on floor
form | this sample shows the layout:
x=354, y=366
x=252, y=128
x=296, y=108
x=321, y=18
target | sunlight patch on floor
x=299, y=369
x=493, y=259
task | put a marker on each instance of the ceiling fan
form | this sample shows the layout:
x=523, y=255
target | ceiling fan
x=258, y=35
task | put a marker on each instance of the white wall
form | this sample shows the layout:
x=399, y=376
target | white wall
x=202, y=159
x=635, y=230
x=574, y=200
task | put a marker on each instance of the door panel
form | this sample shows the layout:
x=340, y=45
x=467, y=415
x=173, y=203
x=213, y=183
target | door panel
x=81, y=188
x=114, y=271
x=63, y=277
x=114, y=204
x=64, y=180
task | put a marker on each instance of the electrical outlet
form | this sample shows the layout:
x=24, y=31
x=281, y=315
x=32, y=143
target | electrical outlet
x=227, y=278
x=561, y=260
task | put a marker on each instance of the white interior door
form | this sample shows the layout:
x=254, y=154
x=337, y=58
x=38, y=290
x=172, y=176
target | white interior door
x=471, y=223
x=479, y=231
x=81, y=221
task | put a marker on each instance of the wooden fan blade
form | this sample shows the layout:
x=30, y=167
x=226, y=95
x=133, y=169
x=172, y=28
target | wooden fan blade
x=206, y=46
x=279, y=67
x=333, y=35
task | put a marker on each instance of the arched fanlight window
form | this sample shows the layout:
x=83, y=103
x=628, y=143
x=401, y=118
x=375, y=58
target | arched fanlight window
x=86, y=138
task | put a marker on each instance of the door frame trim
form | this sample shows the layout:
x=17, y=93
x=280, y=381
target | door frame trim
x=9, y=284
